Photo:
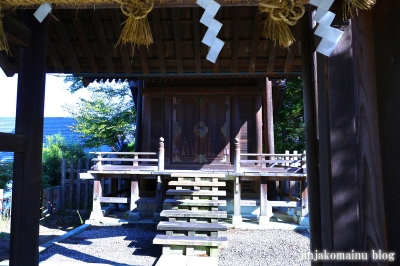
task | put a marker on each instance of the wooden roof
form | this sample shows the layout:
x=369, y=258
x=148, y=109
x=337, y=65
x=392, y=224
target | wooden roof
x=82, y=42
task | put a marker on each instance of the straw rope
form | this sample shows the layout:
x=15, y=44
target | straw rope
x=281, y=15
x=349, y=5
x=137, y=29
x=3, y=38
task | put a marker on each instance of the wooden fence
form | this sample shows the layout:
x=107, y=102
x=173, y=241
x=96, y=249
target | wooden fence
x=73, y=193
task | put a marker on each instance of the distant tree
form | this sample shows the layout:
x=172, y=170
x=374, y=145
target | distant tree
x=289, y=122
x=6, y=175
x=56, y=148
x=108, y=118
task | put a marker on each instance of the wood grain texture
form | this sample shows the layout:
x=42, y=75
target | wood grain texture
x=387, y=54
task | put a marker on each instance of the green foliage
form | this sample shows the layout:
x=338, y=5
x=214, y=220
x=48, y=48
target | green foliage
x=107, y=118
x=6, y=175
x=56, y=148
x=289, y=122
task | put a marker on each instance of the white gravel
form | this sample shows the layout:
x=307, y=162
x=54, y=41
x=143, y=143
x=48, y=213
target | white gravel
x=132, y=245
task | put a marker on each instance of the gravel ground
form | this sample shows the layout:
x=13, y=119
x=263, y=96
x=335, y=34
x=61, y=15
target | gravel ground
x=132, y=245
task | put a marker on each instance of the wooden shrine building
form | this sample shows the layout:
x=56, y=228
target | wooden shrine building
x=350, y=101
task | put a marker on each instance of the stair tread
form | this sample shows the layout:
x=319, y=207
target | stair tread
x=193, y=214
x=197, y=175
x=191, y=240
x=187, y=226
x=200, y=202
x=197, y=183
x=196, y=192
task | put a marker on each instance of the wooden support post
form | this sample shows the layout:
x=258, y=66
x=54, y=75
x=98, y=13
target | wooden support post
x=258, y=125
x=134, y=214
x=97, y=194
x=237, y=155
x=237, y=217
x=63, y=180
x=71, y=183
x=235, y=125
x=159, y=199
x=78, y=184
x=310, y=118
x=27, y=171
x=265, y=209
x=269, y=136
x=161, y=155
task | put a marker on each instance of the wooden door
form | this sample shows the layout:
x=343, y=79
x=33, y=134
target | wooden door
x=200, y=133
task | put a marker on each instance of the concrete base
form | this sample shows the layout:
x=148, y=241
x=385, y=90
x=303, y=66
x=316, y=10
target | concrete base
x=99, y=215
x=237, y=219
x=305, y=221
x=156, y=217
x=133, y=217
x=181, y=260
x=263, y=220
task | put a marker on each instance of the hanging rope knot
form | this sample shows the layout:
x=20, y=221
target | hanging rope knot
x=281, y=15
x=137, y=29
x=349, y=5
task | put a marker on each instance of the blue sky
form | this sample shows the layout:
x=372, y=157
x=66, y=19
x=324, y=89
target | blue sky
x=57, y=95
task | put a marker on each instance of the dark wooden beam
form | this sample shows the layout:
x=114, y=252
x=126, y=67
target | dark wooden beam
x=66, y=44
x=58, y=66
x=143, y=59
x=122, y=48
x=310, y=118
x=255, y=41
x=387, y=53
x=166, y=3
x=205, y=90
x=158, y=38
x=8, y=67
x=236, y=33
x=27, y=169
x=293, y=50
x=80, y=31
x=16, y=32
x=176, y=15
x=196, y=38
x=12, y=142
x=102, y=40
x=369, y=165
x=271, y=57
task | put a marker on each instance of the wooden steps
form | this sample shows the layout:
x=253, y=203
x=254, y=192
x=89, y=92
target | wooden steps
x=192, y=216
x=190, y=192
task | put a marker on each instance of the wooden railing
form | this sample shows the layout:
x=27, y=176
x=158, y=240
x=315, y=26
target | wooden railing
x=120, y=161
x=293, y=162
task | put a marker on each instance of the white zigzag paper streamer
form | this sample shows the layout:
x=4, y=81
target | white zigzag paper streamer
x=330, y=36
x=210, y=38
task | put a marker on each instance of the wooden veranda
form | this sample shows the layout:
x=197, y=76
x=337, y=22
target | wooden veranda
x=350, y=101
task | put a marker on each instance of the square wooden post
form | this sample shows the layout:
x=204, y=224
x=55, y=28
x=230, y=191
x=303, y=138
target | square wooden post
x=24, y=240
x=265, y=209
x=134, y=214
x=237, y=217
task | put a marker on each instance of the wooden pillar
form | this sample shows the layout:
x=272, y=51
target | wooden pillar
x=268, y=124
x=145, y=143
x=387, y=53
x=258, y=123
x=268, y=113
x=265, y=209
x=237, y=217
x=28, y=165
x=311, y=131
x=159, y=199
x=134, y=214
x=139, y=117
x=97, y=194
x=235, y=123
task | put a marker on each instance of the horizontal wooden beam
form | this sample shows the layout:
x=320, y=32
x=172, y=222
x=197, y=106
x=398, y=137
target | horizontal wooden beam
x=208, y=90
x=16, y=32
x=12, y=142
x=164, y=3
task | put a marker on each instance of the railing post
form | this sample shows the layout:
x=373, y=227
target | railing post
x=263, y=164
x=99, y=161
x=237, y=155
x=161, y=154
x=136, y=157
